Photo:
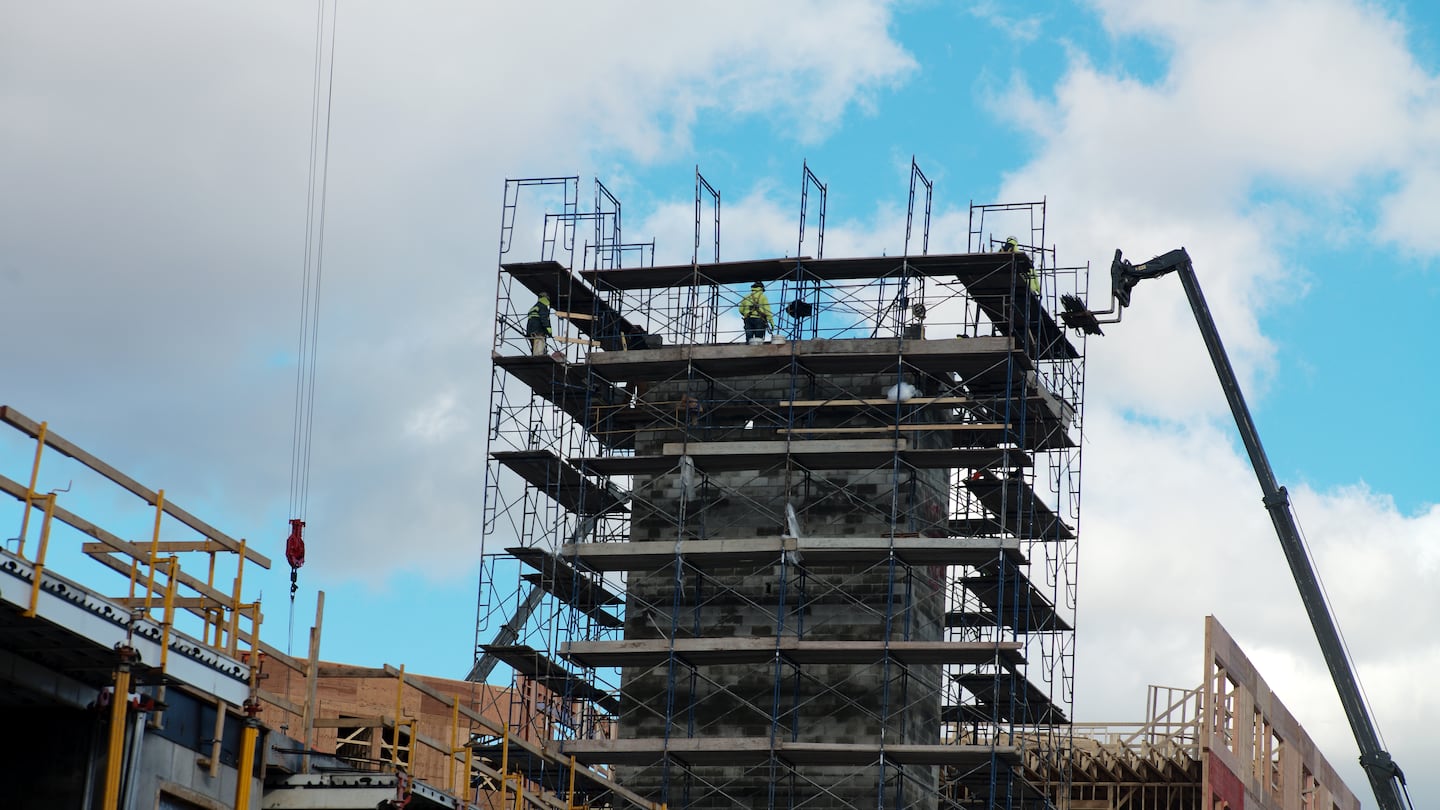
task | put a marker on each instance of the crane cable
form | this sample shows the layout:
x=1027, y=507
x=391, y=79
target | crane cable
x=312, y=266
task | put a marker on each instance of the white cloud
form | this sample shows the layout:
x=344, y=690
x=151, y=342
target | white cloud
x=158, y=241
x=1313, y=99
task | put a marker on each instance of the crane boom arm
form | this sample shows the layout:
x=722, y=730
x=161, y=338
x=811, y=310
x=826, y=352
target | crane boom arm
x=1385, y=776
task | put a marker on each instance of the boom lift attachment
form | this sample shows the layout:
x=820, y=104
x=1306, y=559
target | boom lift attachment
x=1385, y=776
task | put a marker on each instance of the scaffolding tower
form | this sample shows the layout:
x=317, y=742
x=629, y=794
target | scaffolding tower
x=833, y=569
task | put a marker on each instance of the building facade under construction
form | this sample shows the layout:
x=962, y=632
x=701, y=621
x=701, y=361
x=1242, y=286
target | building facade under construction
x=829, y=568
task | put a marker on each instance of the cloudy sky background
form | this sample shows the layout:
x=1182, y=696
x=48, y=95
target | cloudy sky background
x=153, y=161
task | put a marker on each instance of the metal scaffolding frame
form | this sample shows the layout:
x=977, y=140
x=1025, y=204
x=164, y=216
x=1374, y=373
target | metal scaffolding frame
x=743, y=574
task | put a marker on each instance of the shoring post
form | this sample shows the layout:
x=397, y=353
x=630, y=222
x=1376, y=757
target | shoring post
x=454, y=739
x=570, y=798
x=172, y=574
x=154, y=549
x=115, y=747
x=469, y=768
x=40, y=556
x=246, y=768
x=221, y=708
x=395, y=738
x=218, y=613
x=312, y=683
x=504, y=764
x=30, y=492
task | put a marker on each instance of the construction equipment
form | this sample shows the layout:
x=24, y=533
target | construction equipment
x=1385, y=776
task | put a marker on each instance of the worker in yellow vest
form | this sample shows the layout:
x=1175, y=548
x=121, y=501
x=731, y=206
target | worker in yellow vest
x=537, y=325
x=1012, y=245
x=755, y=309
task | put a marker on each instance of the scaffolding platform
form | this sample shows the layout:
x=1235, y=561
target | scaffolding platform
x=563, y=385
x=1017, y=506
x=797, y=651
x=1045, y=425
x=825, y=454
x=561, y=580
x=1024, y=609
x=985, y=364
x=538, y=667
x=746, y=751
x=570, y=295
x=996, y=281
x=553, y=476
x=537, y=769
x=1006, y=697
x=650, y=555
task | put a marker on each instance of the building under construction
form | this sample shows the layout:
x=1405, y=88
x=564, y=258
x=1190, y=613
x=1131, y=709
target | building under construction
x=829, y=569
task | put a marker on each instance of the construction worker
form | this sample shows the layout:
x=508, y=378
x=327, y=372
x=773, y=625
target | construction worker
x=1012, y=245
x=755, y=309
x=537, y=325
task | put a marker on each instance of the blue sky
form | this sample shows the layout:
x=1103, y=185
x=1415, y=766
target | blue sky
x=153, y=262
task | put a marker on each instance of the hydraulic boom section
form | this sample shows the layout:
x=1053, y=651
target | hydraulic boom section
x=1385, y=776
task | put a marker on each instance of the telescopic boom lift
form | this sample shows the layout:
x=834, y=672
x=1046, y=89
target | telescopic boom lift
x=1385, y=776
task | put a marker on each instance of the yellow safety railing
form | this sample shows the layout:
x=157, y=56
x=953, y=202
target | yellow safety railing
x=39, y=557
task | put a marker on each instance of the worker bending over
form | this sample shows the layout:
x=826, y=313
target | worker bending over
x=537, y=325
x=755, y=309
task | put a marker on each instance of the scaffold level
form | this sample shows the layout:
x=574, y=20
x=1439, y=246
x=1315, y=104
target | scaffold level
x=823, y=562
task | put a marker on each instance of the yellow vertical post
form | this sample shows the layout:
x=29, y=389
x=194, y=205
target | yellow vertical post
x=154, y=549
x=115, y=747
x=246, y=767
x=255, y=618
x=172, y=573
x=570, y=800
x=30, y=493
x=469, y=768
x=232, y=641
x=40, y=556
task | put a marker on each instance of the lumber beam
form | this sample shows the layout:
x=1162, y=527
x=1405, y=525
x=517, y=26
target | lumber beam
x=164, y=546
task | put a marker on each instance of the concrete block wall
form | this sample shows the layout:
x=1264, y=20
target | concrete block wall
x=831, y=703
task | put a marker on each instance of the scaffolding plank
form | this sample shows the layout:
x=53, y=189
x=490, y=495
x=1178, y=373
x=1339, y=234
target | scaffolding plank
x=535, y=665
x=649, y=555
x=550, y=474
x=744, y=751
x=761, y=650
x=1015, y=504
